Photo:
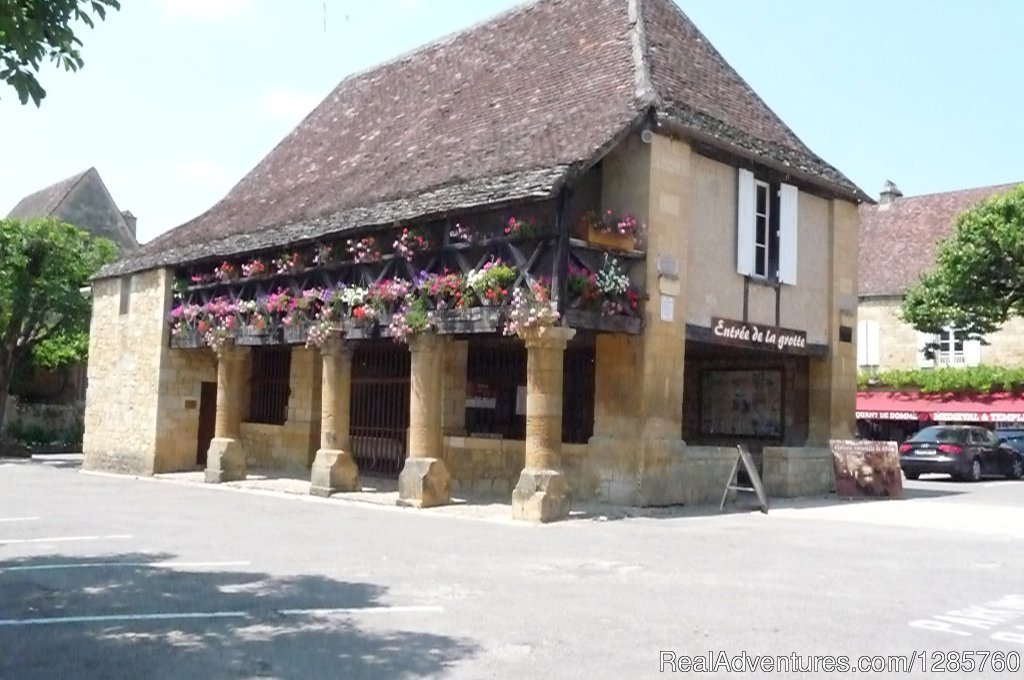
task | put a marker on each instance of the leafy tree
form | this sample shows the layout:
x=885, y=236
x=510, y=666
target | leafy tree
x=978, y=281
x=44, y=266
x=33, y=30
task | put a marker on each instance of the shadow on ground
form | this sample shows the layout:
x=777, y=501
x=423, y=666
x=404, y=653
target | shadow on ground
x=255, y=636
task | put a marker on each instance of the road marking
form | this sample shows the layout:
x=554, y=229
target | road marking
x=127, y=618
x=115, y=618
x=19, y=519
x=410, y=609
x=100, y=565
x=63, y=539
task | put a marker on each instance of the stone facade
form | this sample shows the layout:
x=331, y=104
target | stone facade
x=795, y=472
x=142, y=414
x=293, y=445
x=898, y=343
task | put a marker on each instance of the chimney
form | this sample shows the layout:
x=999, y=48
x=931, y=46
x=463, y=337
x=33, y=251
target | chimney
x=131, y=221
x=890, y=192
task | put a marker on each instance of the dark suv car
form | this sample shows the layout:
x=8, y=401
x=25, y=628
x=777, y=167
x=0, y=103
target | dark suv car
x=962, y=451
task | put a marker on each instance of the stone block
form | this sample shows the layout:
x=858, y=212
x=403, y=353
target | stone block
x=225, y=461
x=424, y=483
x=333, y=471
x=540, y=496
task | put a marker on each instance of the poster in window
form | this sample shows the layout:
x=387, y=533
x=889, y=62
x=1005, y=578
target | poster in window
x=742, y=403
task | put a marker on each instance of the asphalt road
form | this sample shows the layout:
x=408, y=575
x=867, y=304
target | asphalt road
x=104, y=577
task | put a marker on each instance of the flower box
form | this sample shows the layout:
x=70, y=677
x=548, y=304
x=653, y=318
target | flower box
x=296, y=333
x=189, y=339
x=611, y=239
x=361, y=330
x=251, y=336
x=602, y=322
x=472, y=320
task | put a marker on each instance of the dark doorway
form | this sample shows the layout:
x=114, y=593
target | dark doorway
x=207, y=420
x=379, y=410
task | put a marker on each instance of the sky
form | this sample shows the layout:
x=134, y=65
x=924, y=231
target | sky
x=179, y=99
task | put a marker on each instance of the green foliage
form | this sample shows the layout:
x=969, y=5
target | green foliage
x=63, y=348
x=978, y=281
x=946, y=380
x=32, y=31
x=44, y=266
x=34, y=434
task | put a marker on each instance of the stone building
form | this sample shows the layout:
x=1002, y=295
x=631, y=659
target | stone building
x=899, y=241
x=55, y=399
x=701, y=258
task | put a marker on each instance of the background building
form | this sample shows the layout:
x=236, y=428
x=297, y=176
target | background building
x=727, y=318
x=55, y=400
x=898, y=242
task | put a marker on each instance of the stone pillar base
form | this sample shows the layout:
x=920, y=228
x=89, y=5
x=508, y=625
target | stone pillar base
x=333, y=470
x=540, y=496
x=424, y=483
x=225, y=461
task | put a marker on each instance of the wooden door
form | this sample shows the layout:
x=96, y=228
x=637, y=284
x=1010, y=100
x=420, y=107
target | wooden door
x=207, y=420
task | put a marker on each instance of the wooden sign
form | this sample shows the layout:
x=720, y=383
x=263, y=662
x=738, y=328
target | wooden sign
x=866, y=469
x=743, y=456
x=757, y=336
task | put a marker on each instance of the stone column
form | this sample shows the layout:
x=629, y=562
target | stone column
x=425, y=481
x=542, y=494
x=225, y=460
x=334, y=468
x=832, y=397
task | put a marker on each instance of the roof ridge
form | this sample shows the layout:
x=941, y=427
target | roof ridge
x=74, y=185
x=645, y=92
x=904, y=199
x=743, y=81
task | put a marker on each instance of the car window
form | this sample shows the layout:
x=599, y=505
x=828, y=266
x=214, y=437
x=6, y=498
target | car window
x=993, y=440
x=978, y=437
x=940, y=435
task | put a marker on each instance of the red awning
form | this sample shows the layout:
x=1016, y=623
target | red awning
x=984, y=408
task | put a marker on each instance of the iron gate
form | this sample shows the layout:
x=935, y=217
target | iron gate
x=379, y=413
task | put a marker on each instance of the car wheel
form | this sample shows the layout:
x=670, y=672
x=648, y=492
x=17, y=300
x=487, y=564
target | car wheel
x=911, y=475
x=974, y=472
x=1016, y=468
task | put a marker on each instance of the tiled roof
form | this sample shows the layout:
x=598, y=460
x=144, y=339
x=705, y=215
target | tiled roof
x=516, y=104
x=84, y=201
x=898, y=240
x=45, y=202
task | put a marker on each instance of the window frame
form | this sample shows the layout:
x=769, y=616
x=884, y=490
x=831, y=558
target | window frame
x=766, y=244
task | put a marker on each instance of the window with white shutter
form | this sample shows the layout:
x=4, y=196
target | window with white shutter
x=923, y=340
x=788, y=212
x=869, y=351
x=766, y=229
x=745, y=223
x=972, y=352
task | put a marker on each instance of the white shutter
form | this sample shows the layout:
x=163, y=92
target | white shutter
x=922, y=340
x=862, y=343
x=788, y=211
x=746, y=206
x=868, y=347
x=874, y=344
x=972, y=352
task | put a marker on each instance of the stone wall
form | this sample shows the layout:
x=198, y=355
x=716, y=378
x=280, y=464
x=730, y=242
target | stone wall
x=453, y=415
x=716, y=289
x=125, y=355
x=484, y=466
x=181, y=377
x=795, y=472
x=898, y=340
x=291, y=446
x=55, y=419
x=491, y=467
